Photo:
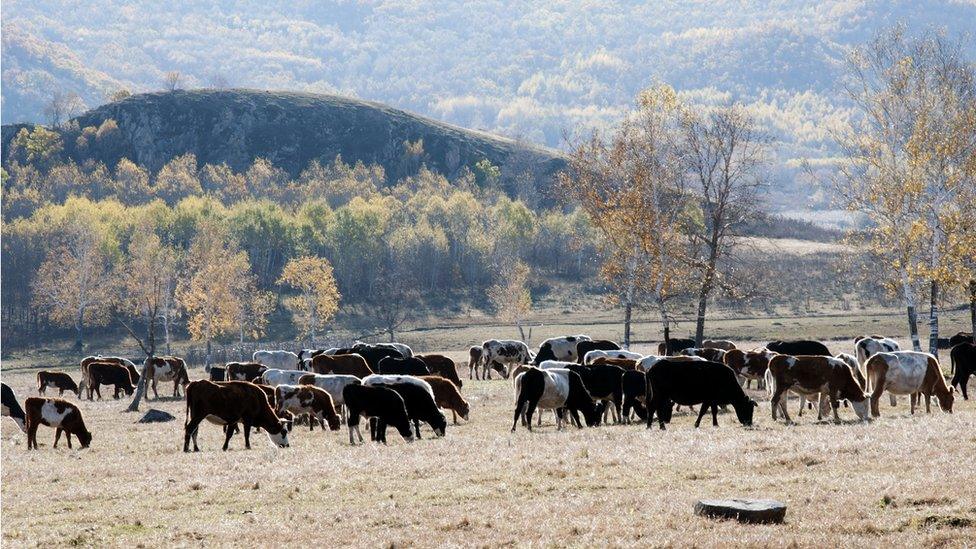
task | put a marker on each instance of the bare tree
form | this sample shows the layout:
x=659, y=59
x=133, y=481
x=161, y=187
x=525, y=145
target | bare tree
x=393, y=300
x=172, y=80
x=63, y=106
x=511, y=298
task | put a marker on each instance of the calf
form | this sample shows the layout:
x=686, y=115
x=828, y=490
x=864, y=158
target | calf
x=824, y=376
x=799, y=347
x=350, y=364
x=382, y=403
x=403, y=366
x=228, y=403
x=168, y=368
x=625, y=363
x=586, y=346
x=723, y=344
x=558, y=389
x=282, y=360
x=58, y=413
x=908, y=373
x=708, y=353
x=674, y=346
x=710, y=384
x=59, y=380
x=440, y=365
x=11, y=408
x=559, y=348
x=447, y=396
x=634, y=387
x=591, y=356
x=474, y=360
x=307, y=399
x=244, y=371
x=963, y=357
x=502, y=355
x=108, y=373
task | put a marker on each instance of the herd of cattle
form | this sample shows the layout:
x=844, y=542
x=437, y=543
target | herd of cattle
x=389, y=385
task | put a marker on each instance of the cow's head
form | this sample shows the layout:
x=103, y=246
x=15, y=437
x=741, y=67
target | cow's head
x=744, y=411
x=280, y=438
x=85, y=437
x=334, y=422
x=464, y=409
x=439, y=424
x=862, y=408
x=500, y=368
x=945, y=402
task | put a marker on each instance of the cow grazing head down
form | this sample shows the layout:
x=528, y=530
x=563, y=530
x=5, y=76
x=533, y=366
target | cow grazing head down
x=280, y=439
x=744, y=411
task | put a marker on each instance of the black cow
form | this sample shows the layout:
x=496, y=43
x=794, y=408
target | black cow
x=961, y=337
x=382, y=403
x=420, y=407
x=584, y=347
x=634, y=387
x=710, y=384
x=674, y=346
x=372, y=353
x=963, y=358
x=218, y=373
x=603, y=382
x=109, y=373
x=404, y=366
x=799, y=347
x=10, y=407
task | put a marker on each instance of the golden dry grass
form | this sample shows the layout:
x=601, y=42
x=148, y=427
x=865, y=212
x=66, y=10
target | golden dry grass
x=899, y=481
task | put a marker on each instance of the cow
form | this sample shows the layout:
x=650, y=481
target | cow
x=244, y=371
x=867, y=346
x=374, y=353
x=218, y=373
x=351, y=364
x=333, y=384
x=634, y=387
x=440, y=365
x=963, y=359
x=687, y=383
x=645, y=363
x=603, y=382
x=674, y=346
x=474, y=360
x=168, y=368
x=825, y=376
x=307, y=399
x=282, y=360
x=586, y=346
x=708, y=353
x=59, y=380
x=799, y=347
x=591, y=356
x=403, y=366
x=723, y=344
x=382, y=403
x=559, y=389
x=404, y=350
x=908, y=373
x=750, y=365
x=418, y=397
x=58, y=413
x=502, y=355
x=559, y=348
x=108, y=373
x=11, y=408
x=625, y=363
x=275, y=377
x=961, y=337
x=128, y=364
x=447, y=396
x=228, y=403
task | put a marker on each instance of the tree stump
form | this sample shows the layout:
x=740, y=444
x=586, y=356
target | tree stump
x=758, y=511
x=156, y=416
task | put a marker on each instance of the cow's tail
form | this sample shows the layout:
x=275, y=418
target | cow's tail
x=952, y=365
x=39, y=381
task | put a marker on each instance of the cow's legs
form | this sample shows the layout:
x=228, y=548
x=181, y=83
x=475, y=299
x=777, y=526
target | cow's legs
x=32, y=435
x=893, y=399
x=454, y=415
x=416, y=428
x=701, y=413
x=227, y=435
x=57, y=436
x=190, y=429
x=576, y=419
x=928, y=402
x=776, y=403
x=714, y=416
x=67, y=435
x=911, y=400
x=155, y=393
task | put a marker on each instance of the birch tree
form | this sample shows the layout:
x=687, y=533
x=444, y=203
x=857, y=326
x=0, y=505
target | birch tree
x=318, y=296
x=510, y=298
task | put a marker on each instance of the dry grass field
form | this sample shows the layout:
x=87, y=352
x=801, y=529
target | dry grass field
x=901, y=480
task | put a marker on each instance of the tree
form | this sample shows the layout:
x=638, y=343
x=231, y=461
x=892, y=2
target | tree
x=393, y=299
x=119, y=95
x=256, y=305
x=172, y=81
x=178, y=179
x=724, y=153
x=40, y=147
x=62, y=107
x=317, y=301
x=510, y=298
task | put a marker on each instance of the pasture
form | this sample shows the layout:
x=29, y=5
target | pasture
x=901, y=480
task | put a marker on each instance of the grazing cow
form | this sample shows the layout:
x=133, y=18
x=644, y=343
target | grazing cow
x=502, y=355
x=603, y=382
x=558, y=389
x=168, y=368
x=961, y=337
x=799, y=347
x=440, y=365
x=867, y=346
x=963, y=357
x=723, y=344
x=218, y=373
x=586, y=346
x=447, y=396
x=403, y=366
x=824, y=376
x=708, y=353
x=645, y=363
x=282, y=360
x=228, y=403
x=711, y=384
x=751, y=365
x=307, y=399
x=128, y=364
x=275, y=377
x=591, y=356
x=333, y=384
x=374, y=353
x=559, y=348
x=382, y=403
x=11, y=408
x=475, y=353
x=244, y=371
x=404, y=350
x=634, y=387
x=625, y=363
x=59, y=380
x=674, y=346
x=418, y=397
x=59, y=414
x=908, y=373
x=351, y=364
x=108, y=373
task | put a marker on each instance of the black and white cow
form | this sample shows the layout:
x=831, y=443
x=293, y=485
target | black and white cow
x=558, y=389
x=11, y=408
x=502, y=355
x=559, y=348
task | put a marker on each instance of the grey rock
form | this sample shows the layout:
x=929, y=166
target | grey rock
x=156, y=416
x=743, y=510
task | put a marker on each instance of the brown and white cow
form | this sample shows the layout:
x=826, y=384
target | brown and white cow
x=821, y=376
x=228, y=403
x=244, y=371
x=349, y=365
x=908, y=373
x=307, y=399
x=59, y=414
x=59, y=380
x=447, y=396
x=751, y=365
x=167, y=368
x=867, y=346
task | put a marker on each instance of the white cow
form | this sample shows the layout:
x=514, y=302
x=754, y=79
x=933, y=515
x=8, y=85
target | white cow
x=593, y=355
x=908, y=373
x=334, y=384
x=554, y=395
x=275, y=377
x=281, y=360
x=502, y=355
x=866, y=347
x=390, y=379
x=645, y=363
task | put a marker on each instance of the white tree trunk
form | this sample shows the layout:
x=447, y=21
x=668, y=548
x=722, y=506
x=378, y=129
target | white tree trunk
x=908, y=292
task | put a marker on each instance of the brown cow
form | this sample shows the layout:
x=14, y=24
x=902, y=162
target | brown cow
x=108, y=373
x=440, y=365
x=811, y=375
x=723, y=344
x=350, y=365
x=168, y=368
x=307, y=399
x=85, y=362
x=751, y=365
x=229, y=403
x=59, y=380
x=447, y=396
x=57, y=413
x=625, y=363
x=244, y=371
